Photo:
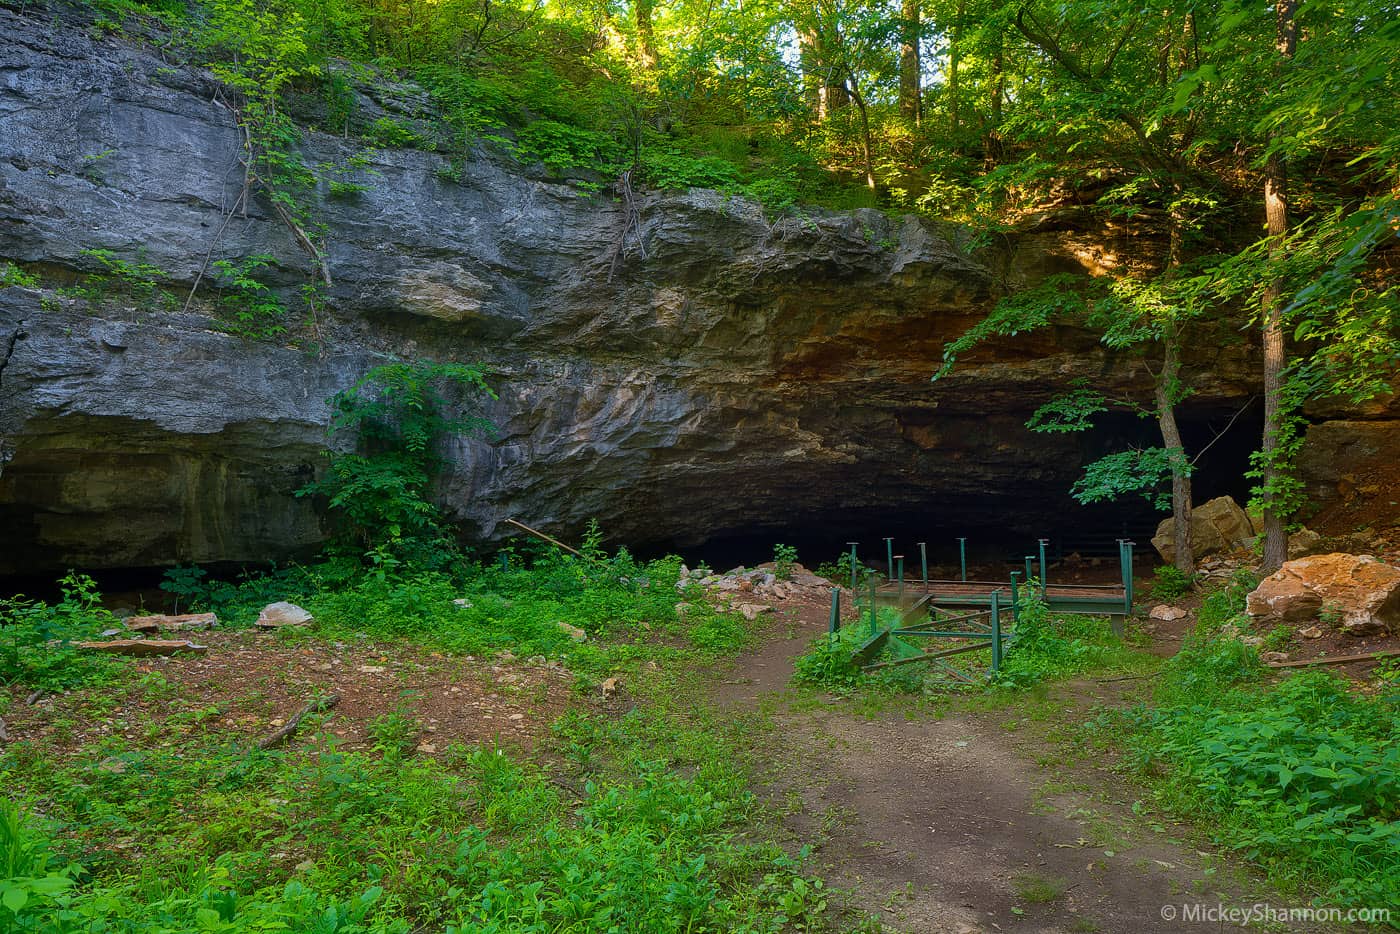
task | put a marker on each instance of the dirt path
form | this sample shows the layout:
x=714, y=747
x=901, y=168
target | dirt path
x=960, y=824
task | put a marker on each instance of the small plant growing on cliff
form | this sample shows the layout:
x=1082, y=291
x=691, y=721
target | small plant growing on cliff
x=10, y=274
x=250, y=308
x=382, y=491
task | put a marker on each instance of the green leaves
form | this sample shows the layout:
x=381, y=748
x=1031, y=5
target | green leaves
x=400, y=414
x=1146, y=472
x=1073, y=411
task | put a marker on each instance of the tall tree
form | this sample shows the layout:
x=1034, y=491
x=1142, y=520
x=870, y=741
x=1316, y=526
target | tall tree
x=1276, y=215
x=910, y=77
x=646, y=33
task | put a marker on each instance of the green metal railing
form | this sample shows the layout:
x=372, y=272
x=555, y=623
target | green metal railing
x=984, y=605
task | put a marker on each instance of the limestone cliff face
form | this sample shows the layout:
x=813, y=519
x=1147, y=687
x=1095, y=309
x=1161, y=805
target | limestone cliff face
x=700, y=372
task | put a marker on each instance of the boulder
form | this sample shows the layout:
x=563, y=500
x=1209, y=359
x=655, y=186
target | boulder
x=1216, y=526
x=279, y=614
x=1304, y=542
x=1364, y=591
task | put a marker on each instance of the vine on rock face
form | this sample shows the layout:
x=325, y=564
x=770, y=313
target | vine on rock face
x=400, y=415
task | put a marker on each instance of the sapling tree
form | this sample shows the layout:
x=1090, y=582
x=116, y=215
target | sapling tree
x=399, y=414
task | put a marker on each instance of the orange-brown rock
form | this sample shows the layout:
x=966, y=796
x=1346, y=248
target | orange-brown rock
x=1363, y=591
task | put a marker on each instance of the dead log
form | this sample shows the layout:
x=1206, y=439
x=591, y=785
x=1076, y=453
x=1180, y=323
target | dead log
x=172, y=623
x=273, y=739
x=142, y=646
x=1336, y=659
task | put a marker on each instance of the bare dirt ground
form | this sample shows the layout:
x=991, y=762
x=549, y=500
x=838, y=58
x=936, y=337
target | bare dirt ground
x=971, y=820
x=250, y=683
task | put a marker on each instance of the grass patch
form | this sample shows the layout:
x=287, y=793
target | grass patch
x=642, y=821
x=1037, y=889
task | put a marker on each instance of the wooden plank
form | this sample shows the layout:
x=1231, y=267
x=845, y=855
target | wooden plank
x=1336, y=659
x=142, y=646
x=172, y=623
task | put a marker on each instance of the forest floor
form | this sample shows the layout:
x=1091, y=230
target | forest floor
x=974, y=814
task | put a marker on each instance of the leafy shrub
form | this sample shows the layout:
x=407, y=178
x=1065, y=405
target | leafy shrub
x=775, y=194
x=827, y=664
x=12, y=275
x=1170, y=582
x=784, y=557
x=399, y=413
x=36, y=638
x=564, y=148
x=1046, y=646
x=390, y=133
x=1305, y=777
x=1207, y=667
x=670, y=170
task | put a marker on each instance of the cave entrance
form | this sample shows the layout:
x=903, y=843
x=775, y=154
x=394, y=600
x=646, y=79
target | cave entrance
x=1003, y=518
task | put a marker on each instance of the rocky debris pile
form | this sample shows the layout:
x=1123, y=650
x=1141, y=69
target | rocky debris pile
x=752, y=591
x=1358, y=593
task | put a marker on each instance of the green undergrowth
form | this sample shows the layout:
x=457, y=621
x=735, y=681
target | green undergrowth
x=627, y=608
x=628, y=821
x=1299, y=773
x=639, y=833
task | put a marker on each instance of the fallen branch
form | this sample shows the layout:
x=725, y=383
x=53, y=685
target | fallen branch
x=1337, y=659
x=281, y=735
x=553, y=541
x=142, y=646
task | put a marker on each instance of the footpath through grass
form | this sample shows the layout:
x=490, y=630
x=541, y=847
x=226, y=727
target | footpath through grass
x=634, y=817
x=1298, y=773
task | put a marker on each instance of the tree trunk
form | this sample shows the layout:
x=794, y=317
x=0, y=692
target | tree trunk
x=1276, y=215
x=954, y=58
x=865, y=146
x=809, y=48
x=993, y=136
x=909, y=78
x=646, y=36
x=1164, y=394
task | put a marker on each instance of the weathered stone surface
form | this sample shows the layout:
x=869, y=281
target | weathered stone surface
x=1304, y=542
x=279, y=614
x=731, y=372
x=1217, y=525
x=1366, y=593
x=184, y=622
x=1167, y=613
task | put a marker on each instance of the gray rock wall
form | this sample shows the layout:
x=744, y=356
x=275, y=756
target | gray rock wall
x=719, y=372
